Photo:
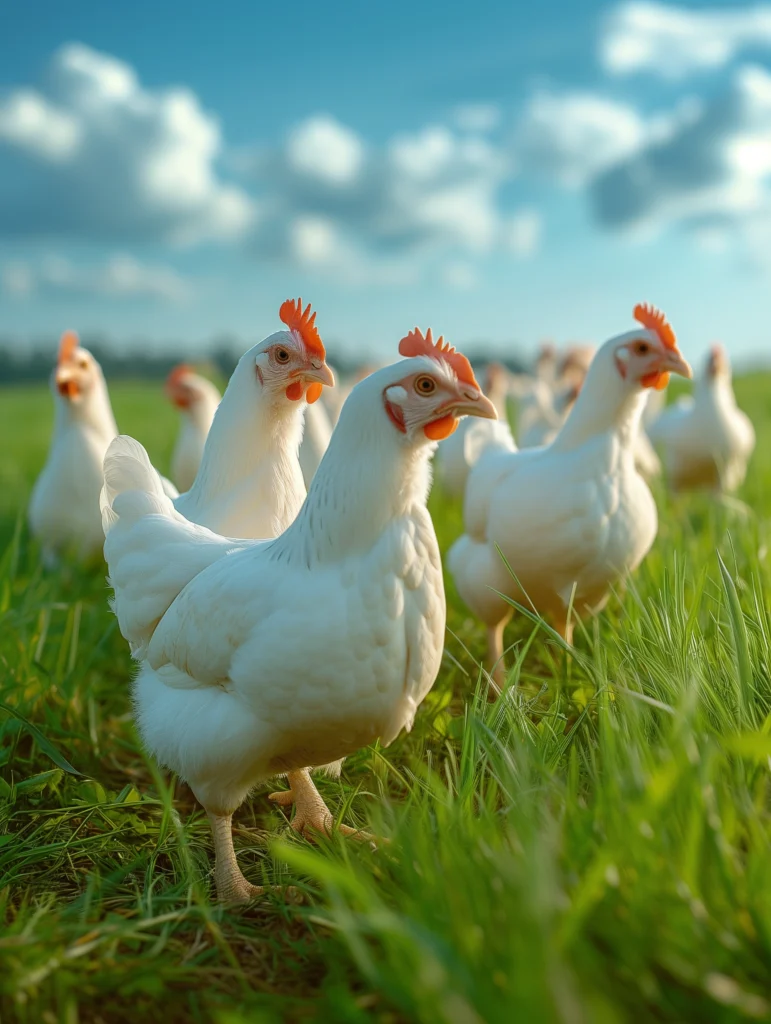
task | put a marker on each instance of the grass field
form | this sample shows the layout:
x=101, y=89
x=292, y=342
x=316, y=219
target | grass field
x=595, y=847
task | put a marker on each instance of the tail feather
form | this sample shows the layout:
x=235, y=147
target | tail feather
x=132, y=486
x=152, y=551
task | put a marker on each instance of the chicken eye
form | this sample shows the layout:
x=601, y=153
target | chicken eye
x=643, y=348
x=282, y=355
x=425, y=385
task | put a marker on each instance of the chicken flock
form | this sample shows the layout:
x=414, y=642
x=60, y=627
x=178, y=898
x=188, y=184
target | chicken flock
x=297, y=513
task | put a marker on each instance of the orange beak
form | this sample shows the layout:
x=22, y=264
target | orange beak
x=672, y=362
x=316, y=374
x=472, y=403
x=65, y=382
x=469, y=402
x=675, y=362
x=67, y=389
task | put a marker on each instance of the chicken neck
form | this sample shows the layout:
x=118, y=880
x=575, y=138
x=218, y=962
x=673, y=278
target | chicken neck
x=368, y=478
x=605, y=404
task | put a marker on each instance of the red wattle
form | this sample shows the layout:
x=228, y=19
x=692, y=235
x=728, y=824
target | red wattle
x=441, y=428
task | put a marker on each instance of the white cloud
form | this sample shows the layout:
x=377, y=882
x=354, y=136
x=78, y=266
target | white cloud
x=120, y=277
x=425, y=154
x=314, y=240
x=332, y=201
x=28, y=121
x=675, y=41
x=712, y=171
x=323, y=148
x=94, y=154
x=316, y=243
x=570, y=136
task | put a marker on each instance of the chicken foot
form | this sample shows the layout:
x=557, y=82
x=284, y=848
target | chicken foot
x=311, y=816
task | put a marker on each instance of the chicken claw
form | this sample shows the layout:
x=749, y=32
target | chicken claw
x=312, y=816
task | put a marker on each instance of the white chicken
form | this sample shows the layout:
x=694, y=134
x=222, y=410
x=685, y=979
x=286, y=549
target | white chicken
x=575, y=516
x=574, y=364
x=707, y=441
x=249, y=483
x=544, y=400
x=541, y=411
x=457, y=454
x=546, y=363
x=64, y=507
x=197, y=400
x=266, y=658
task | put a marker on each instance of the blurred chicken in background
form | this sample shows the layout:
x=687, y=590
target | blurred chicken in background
x=197, y=400
x=64, y=507
x=707, y=440
x=545, y=397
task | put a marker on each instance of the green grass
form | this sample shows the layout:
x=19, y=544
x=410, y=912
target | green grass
x=594, y=848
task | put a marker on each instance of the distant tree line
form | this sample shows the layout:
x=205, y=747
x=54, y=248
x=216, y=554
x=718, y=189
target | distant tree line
x=28, y=364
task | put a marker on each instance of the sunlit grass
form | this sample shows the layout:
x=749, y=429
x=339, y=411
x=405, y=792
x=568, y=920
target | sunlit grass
x=594, y=847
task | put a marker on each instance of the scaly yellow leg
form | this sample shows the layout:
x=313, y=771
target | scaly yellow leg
x=311, y=815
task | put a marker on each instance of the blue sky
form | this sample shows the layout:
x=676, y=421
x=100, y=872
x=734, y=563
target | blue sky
x=501, y=172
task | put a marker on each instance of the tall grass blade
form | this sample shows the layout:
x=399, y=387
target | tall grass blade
x=741, y=646
x=46, y=746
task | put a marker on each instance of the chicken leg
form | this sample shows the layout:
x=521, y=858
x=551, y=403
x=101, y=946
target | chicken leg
x=311, y=816
x=232, y=887
x=565, y=628
x=495, y=659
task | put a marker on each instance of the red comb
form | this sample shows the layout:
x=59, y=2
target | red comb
x=655, y=321
x=67, y=345
x=302, y=323
x=176, y=375
x=416, y=344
